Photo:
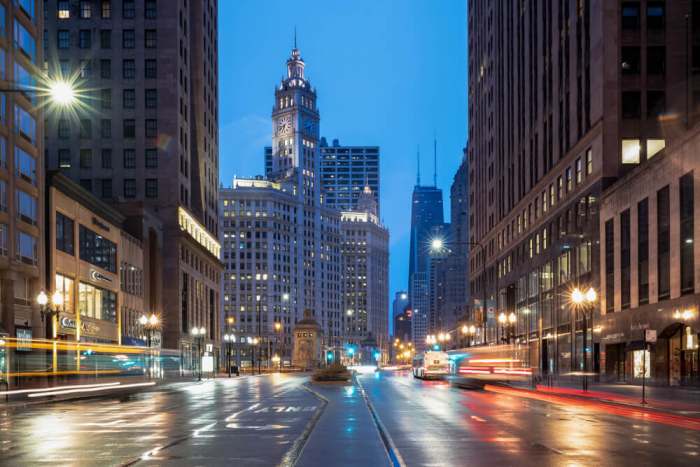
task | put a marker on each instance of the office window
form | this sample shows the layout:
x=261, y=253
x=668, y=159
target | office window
x=643, y=250
x=129, y=188
x=106, y=68
x=106, y=9
x=63, y=39
x=26, y=206
x=128, y=9
x=86, y=183
x=150, y=9
x=663, y=248
x=609, y=266
x=85, y=69
x=569, y=180
x=106, y=39
x=150, y=39
x=151, y=188
x=63, y=7
x=106, y=128
x=86, y=9
x=151, y=128
x=64, y=161
x=26, y=125
x=3, y=152
x=654, y=146
x=630, y=151
x=85, y=128
x=560, y=187
x=106, y=188
x=129, y=159
x=27, y=6
x=97, y=250
x=687, y=218
x=86, y=158
x=150, y=68
x=552, y=196
x=97, y=303
x=579, y=171
x=3, y=196
x=129, y=69
x=84, y=39
x=631, y=104
x=656, y=60
x=106, y=98
x=3, y=240
x=625, y=253
x=630, y=15
x=656, y=103
x=106, y=158
x=25, y=165
x=128, y=39
x=151, y=158
x=64, y=234
x=655, y=15
x=26, y=248
x=129, y=98
x=151, y=98
x=630, y=60
x=25, y=42
x=129, y=126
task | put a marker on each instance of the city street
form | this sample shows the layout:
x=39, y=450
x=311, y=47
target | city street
x=264, y=421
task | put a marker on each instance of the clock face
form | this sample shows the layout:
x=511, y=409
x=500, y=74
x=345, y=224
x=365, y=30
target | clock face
x=284, y=125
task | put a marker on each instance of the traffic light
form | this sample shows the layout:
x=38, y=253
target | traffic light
x=329, y=356
x=377, y=355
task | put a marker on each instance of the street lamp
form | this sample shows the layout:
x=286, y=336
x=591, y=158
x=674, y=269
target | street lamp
x=198, y=335
x=278, y=331
x=51, y=310
x=229, y=339
x=584, y=301
x=149, y=324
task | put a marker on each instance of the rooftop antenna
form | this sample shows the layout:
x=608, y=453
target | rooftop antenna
x=295, y=37
x=418, y=166
x=435, y=161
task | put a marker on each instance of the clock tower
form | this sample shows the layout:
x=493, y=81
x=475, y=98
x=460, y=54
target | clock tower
x=295, y=131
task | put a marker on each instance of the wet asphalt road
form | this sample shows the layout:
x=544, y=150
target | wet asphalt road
x=257, y=421
x=248, y=421
x=433, y=424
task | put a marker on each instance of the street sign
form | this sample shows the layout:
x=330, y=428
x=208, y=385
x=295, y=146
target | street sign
x=650, y=336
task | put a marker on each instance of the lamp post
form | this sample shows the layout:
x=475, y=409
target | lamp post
x=198, y=335
x=278, y=330
x=51, y=311
x=229, y=340
x=469, y=332
x=583, y=301
x=149, y=324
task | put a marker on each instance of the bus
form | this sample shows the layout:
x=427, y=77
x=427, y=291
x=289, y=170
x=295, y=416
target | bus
x=476, y=366
x=431, y=364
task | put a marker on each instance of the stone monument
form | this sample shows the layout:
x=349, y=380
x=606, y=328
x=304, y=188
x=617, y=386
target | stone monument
x=307, y=342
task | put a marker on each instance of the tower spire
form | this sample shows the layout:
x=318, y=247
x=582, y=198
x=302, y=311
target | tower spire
x=295, y=37
x=418, y=166
x=435, y=161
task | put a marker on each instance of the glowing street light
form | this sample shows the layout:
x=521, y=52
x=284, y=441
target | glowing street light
x=437, y=244
x=62, y=93
x=584, y=301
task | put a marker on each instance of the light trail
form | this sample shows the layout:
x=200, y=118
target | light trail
x=74, y=391
x=56, y=388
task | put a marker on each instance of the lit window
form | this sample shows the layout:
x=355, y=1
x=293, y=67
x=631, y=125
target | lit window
x=630, y=151
x=64, y=9
x=654, y=146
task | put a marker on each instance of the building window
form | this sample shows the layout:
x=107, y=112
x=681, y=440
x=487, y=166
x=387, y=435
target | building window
x=630, y=60
x=150, y=39
x=630, y=15
x=654, y=146
x=85, y=69
x=129, y=188
x=150, y=68
x=129, y=159
x=609, y=266
x=129, y=98
x=3, y=240
x=129, y=128
x=63, y=41
x=128, y=9
x=106, y=158
x=631, y=104
x=106, y=9
x=85, y=128
x=151, y=188
x=630, y=151
x=64, y=161
x=655, y=15
x=129, y=69
x=589, y=162
x=106, y=99
x=106, y=128
x=663, y=219
x=106, y=69
x=86, y=158
x=128, y=39
x=656, y=103
x=63, y=9
x=26, y=206
x=3, y=196
x=151, y=158
x=151, y=98
x=106, y=39
x=25, y=42
x=84, y=39
x=106, y=188
x=687, y=237
x=25, y=165
x=25, y=123
x=656, y=60
x=625, y=254
x=643, y=251
x=86, y=183
x=569, y=180
x=85, y=9
x=151, y=128
x=65, y=286
x=26, y=249
x=97, y=250
x=150, y=9
x=97, y=303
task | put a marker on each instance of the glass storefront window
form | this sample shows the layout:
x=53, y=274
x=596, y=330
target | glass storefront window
x=642, y=363
x=65, y=286
x=95, y=302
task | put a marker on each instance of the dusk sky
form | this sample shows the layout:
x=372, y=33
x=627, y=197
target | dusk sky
x=390, y=73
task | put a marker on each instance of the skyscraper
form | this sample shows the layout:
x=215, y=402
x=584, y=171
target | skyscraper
x=399, y=305
x=147, y=132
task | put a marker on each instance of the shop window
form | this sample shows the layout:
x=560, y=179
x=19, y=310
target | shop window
x=642, y=363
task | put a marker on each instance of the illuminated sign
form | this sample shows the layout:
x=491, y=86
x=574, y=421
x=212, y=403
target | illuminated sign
x=86, y=327
x=99, y=277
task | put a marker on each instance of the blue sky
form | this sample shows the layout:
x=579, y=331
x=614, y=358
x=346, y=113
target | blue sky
x=390, y=73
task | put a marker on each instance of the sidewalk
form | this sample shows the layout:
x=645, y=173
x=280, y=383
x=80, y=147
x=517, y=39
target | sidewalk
x=345, y=434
